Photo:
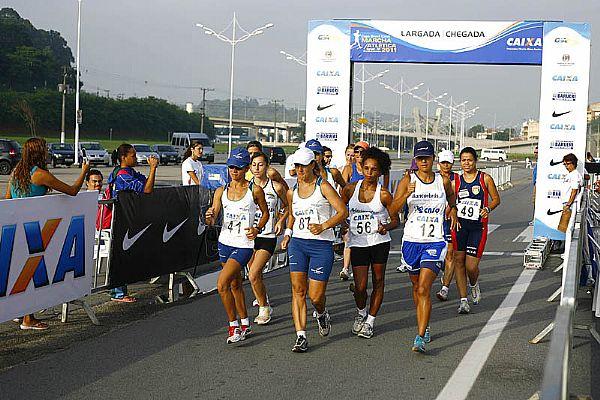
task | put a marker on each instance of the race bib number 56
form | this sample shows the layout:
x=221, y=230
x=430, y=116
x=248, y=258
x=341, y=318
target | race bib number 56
x=363, y=223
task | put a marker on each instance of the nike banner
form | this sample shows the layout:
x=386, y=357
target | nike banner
x=160, y=233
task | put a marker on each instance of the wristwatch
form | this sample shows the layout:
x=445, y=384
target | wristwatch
x=487, y=209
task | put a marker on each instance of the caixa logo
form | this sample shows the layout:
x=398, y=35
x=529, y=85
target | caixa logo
x=325, y=120
x=565, y=78
x=562, y=127
x=556, y=177
x=323, y=37
x=71, y=259
x=553, y=194
x=524, y=42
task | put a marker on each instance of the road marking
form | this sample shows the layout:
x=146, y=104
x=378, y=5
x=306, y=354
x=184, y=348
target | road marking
x=485, y=253
x=492, y=228
x=460, y=383
x=525, y=236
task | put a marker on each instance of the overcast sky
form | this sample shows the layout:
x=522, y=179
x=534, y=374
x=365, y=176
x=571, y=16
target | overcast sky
x=152, y=47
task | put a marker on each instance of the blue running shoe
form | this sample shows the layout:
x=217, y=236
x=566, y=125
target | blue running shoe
x=427, y=335
x=418, y=345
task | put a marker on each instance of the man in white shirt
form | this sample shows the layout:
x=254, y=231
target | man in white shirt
x=572, y=181
x=191, y=168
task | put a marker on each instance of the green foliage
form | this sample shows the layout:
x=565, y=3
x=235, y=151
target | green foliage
x=474, y=130
x=31, y=58
x=149, y=118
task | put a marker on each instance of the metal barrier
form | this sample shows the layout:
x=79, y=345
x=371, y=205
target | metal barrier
x=501, y=175
x=555, y=384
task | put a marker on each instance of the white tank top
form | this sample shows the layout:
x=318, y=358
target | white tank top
x=273, y=204
x=237, y=216
x=365, y=218
x=426, y=206
x=315, y=209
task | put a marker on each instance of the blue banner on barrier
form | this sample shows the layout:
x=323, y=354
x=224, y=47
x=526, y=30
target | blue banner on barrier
x=447, y=42
x=214, y=176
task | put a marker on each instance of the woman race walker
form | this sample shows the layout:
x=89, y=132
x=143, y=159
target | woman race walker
x=236, y=241
x=315, y=208
x=423, y=247
x=370, y=221
x=266, y=241
x=445, y=163
x=473, y=190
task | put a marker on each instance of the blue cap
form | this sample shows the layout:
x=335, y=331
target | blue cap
x=423, y=149
x=314, y=145
x=239, y=157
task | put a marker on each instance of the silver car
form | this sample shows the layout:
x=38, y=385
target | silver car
x=94, y=152
x=143, y=151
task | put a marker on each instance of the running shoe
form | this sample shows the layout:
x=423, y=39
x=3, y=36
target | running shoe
x=401, y=268
x=235, y=334
x=464, y=307
x=366, y=331
x=301, y=345
x=418, y=345
x=344, y=275
x=359, y=321
x=264, y=315
x=442, y=295
x=476, y=293
x=427, y=335
x=255, y=303
x=324, y=322
x=246, y=330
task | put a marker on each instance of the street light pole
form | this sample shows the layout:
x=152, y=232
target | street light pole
x=428, y=100
x=362, y=82
x=233, y=41
x=77, y=110
x=400, y=92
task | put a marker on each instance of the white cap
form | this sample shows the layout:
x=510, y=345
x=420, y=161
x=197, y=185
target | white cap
x=303, y=156
x=446, y=155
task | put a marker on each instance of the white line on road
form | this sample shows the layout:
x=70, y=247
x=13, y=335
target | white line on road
x=525, y=236
x=485, y=253
x=460, y=383
x=492, y=228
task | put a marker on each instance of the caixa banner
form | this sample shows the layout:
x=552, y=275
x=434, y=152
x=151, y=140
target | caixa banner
x=472, y=42
x=46, y=252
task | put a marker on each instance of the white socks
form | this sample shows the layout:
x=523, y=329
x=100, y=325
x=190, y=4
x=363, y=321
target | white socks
x=370, y=320
x=363, y=312
x=445, y=288
x=234, y=323
x=245, y=321
x=301, y=333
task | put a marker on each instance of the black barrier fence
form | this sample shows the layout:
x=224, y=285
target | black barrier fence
x=160, y=233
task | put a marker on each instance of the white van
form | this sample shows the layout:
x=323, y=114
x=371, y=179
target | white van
x=181, y=141
x=493, y=154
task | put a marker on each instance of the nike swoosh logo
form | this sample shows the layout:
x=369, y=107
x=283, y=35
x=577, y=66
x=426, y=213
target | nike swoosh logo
x=555, y=114
x=553, y=212
x=129, y=241
x=321, y=108
x=168, y=234
x=553, y=163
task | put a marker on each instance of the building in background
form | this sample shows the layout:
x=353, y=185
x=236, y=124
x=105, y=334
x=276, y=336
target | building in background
x=530, y=130
x=593, y=111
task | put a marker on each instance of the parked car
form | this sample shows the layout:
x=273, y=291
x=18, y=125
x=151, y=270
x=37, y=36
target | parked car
x=61, y=154
x=493, y=154
x=276, y=155
x=182, y=140
x=143, y=151
x=10, y=154
x=166, y=154
x=94, y=152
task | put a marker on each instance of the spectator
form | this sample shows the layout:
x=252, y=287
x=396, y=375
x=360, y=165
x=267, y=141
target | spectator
x=589, y=157
x=31, y=178
x=93, y=181
x=125, y=178
x=191, y=168
x=572, y=182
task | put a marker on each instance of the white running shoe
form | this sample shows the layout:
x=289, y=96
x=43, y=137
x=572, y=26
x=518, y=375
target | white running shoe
x=255, y=303
x=442, y=295
x=264, y=315
x=464, y=307
x=475, y=293
x=401, y=268
x=359, y=321
x=235, y=334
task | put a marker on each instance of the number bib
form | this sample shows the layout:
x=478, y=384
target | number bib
x=303, y=218
x=363, y=223
x=236, y=224
x=469, y=209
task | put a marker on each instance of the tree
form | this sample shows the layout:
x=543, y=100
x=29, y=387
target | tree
x=474, y=130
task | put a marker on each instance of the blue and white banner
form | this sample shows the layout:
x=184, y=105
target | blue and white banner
x=468, y=42
x=563, y=119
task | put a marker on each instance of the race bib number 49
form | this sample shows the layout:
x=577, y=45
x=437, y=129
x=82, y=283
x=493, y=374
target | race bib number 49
x=469, y=209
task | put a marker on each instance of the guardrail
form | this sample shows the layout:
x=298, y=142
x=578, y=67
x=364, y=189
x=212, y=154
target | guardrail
x=501, y=175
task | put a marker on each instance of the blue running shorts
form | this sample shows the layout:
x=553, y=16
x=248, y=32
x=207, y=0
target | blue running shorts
x=447, y=231
x=242, y=256
x=311, y=256
x=423, y=255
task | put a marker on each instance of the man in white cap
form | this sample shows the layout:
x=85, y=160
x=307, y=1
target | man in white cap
x=445, y=163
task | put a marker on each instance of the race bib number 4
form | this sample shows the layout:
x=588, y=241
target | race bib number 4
x=363, y=223
x=469, y=209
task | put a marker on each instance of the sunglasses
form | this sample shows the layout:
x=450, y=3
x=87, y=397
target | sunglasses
x=327, y=156
x=567, y=163
x=235, y=168
x=358, y=151
x=296, y=165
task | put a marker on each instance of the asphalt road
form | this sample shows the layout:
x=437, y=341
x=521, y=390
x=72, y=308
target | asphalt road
x=181, y=351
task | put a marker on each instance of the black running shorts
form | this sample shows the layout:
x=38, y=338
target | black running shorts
x=365, y=256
